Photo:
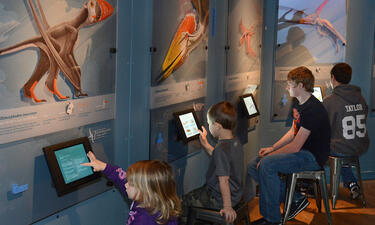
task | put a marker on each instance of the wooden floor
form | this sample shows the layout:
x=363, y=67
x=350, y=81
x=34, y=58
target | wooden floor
x=347, y=212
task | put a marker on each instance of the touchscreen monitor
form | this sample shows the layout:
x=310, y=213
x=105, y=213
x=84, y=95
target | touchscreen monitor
x=187, y=124
x=319, y=93
x=64, y=162
x=250, y=105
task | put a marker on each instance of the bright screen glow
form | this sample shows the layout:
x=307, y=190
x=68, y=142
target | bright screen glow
x=70, y=160
x=189, y=124
x=318, y=93
x=250, y=105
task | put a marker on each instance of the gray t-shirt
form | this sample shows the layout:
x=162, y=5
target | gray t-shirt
x=226, y=160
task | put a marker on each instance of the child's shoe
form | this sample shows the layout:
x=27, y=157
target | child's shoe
x=354, y=190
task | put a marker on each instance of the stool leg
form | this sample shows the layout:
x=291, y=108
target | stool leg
x=289, y=196
x=247, y=222
x=247, y=217
x=360, y=183
x=331, y=171
x=335, y=182
x=191, y=217
x=243, y=215
x=318, y=198
x=323, y=188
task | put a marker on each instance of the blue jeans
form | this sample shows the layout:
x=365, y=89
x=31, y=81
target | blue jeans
x=271, y=186
x=346, y=172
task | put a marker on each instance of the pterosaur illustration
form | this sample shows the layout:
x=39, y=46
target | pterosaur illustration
x=247, y=34
x=324, y=27
x=56, y=45
x=189, y=34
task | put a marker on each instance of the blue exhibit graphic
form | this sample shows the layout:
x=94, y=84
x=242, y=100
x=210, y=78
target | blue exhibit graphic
x=44, y=78
x=69, y=160
x=311, y=32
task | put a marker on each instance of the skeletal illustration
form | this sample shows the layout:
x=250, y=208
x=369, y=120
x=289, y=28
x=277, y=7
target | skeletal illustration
x=189, y=34
x=56, y=45
x=324, y=27
x=247, y=34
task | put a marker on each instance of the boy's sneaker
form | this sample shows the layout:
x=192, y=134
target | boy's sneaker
x=354, y=190
x=263, y=221
x=297, y=207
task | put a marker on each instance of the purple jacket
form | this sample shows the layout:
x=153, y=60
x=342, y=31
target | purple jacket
x=137, y=215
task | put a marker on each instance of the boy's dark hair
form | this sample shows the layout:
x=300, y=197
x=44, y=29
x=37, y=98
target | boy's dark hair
x=223, y=113
x=342, y=73
x=302, y=75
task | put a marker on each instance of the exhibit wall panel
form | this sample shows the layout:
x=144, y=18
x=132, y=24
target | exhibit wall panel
x=28, y=125
x=243, y=52
x=23, y=163
x=178, y=72
x=52, y=70
x=87, y=212
x=312, y=34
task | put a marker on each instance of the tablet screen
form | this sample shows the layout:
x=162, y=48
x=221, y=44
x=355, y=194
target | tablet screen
x=70, y=159
x=189, y=124
x=250, y=105
x=318, y=93
x=64, y=162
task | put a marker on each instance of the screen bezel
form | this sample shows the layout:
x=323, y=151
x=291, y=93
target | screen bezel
x=321, y=91
x=182, y=135
x=242, y=97
x=61, y=187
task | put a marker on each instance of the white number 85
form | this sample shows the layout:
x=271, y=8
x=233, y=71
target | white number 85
x=349, y=124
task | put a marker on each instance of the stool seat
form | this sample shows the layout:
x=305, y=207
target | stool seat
x=213, y=215
x=319, y=177
x=336, y=163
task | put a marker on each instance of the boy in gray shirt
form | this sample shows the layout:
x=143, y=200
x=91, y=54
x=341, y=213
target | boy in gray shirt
x=347, y=111
x=223, y=189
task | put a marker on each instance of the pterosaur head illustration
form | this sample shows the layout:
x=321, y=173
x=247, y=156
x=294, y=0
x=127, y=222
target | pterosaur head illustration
x=56, y=45
x=187, y=37
x=98, y=10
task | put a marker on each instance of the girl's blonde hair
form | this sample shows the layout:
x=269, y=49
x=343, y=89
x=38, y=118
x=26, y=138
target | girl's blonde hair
x=157, y=189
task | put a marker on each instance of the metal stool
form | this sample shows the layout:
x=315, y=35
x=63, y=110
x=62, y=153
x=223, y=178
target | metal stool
x=318, y=176
x=335, y=167
x=213, y=215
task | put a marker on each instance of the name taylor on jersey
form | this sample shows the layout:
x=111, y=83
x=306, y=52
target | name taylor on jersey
x=351, y=108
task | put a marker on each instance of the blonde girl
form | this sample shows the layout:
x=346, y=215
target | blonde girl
x=151, y=186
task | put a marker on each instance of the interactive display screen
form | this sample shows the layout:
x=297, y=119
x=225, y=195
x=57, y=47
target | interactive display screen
x=64, y=161
x=318, y=93
x=70, y=159
x=250, y=105
x=188, y=125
